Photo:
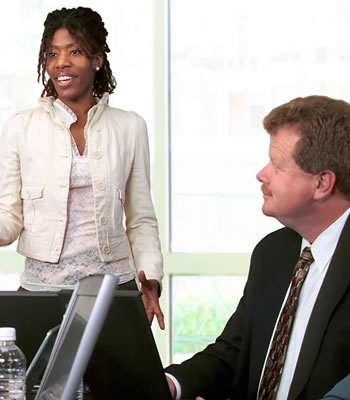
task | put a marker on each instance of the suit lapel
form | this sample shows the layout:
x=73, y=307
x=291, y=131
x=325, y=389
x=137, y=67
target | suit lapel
x=275, y=268
x=332, y=290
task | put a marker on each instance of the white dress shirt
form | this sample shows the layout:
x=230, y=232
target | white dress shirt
x=322, y=250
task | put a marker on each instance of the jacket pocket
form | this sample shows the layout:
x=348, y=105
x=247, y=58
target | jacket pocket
x=120, y=207
x=30, y=196
x=120, y=247
x=121, y=196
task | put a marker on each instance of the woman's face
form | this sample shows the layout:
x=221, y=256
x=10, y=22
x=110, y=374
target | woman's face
x=71, y=71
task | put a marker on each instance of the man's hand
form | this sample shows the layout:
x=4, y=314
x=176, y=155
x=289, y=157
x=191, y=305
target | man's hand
x=150, y=294
x=172, y=387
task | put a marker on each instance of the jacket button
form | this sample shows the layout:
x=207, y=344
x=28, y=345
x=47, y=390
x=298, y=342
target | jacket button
x=106, y=249
x=103, y=220
x=100, y=186
x=97, y=155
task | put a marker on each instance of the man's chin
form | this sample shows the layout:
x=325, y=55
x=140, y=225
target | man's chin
x=267, y=211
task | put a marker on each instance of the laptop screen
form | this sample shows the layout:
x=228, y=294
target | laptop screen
x=125, y=363
x=77, y=336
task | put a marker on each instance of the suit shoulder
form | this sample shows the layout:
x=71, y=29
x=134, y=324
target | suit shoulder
x=279, y=234
x=279, y=240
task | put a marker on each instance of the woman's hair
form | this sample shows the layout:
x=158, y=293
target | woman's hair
x=87, y=27
x=324, y=127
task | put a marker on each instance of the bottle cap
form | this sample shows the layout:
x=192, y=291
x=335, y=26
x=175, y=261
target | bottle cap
x=7, y=334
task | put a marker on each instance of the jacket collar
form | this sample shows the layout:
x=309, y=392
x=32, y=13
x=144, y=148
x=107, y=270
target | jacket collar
x=46, y=103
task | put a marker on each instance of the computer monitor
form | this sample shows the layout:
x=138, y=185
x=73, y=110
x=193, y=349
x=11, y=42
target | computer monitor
x=33, y=314
x=77, y=336
x=125, y=363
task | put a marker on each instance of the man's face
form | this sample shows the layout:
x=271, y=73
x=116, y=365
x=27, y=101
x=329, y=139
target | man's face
x=287, y=189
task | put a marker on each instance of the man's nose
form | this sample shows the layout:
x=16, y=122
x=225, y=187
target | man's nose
x=262, y=174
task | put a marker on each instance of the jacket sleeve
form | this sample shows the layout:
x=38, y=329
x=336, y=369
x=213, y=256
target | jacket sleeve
x=141, y=222
x=211, y=372
x=11, y=219
x=341, y=391
x=221, y=370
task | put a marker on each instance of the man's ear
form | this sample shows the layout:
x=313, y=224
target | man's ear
x=325, y=183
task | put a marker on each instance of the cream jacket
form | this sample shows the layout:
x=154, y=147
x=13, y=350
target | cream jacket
x=35, y=165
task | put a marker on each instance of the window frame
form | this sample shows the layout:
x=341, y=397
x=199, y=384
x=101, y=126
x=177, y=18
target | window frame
x=174, y=263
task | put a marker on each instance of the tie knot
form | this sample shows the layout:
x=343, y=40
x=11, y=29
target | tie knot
x=306, y=255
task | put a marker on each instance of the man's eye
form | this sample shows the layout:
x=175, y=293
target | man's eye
x=75, y=52
x=52, y=54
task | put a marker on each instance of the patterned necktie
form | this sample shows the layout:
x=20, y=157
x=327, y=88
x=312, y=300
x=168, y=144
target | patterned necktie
x=278, y=350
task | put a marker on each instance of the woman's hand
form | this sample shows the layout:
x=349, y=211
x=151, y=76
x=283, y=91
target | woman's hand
x=150, y=295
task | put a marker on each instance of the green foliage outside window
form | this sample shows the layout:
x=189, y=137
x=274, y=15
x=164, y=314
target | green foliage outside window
x=201, y=308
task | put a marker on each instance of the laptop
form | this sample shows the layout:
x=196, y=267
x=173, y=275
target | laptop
x=124, y=362
x=76, y=338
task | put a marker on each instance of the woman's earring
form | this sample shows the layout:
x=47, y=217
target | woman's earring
x=97, y=69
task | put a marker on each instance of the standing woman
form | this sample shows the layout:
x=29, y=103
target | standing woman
x=74, y=172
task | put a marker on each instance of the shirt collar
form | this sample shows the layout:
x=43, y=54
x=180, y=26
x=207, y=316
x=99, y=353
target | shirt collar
x=324, y=246
x=66, y=115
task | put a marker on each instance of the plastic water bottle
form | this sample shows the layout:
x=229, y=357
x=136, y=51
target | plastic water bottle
x=80, y=392
x=12, y=367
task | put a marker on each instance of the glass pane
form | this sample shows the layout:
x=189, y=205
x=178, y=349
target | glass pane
x=201, y=306
x=9, y=281
x=231, y=63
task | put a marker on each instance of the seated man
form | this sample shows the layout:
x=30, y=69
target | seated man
x=289, y=337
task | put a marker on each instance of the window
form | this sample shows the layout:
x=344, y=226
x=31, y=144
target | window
x=201, y=307
x=230, y=63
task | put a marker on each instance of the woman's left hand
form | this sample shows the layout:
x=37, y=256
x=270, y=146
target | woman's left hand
x=150, y=296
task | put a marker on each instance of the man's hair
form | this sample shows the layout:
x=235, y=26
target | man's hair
x=324, y=127
x=87, y=27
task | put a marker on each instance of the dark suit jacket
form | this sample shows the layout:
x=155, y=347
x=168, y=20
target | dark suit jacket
x=341, y=390
x=232, y=366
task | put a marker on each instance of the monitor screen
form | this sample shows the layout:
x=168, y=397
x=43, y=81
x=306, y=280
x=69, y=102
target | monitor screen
x=77, y=336
x=125, y=363
x=33, y=314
